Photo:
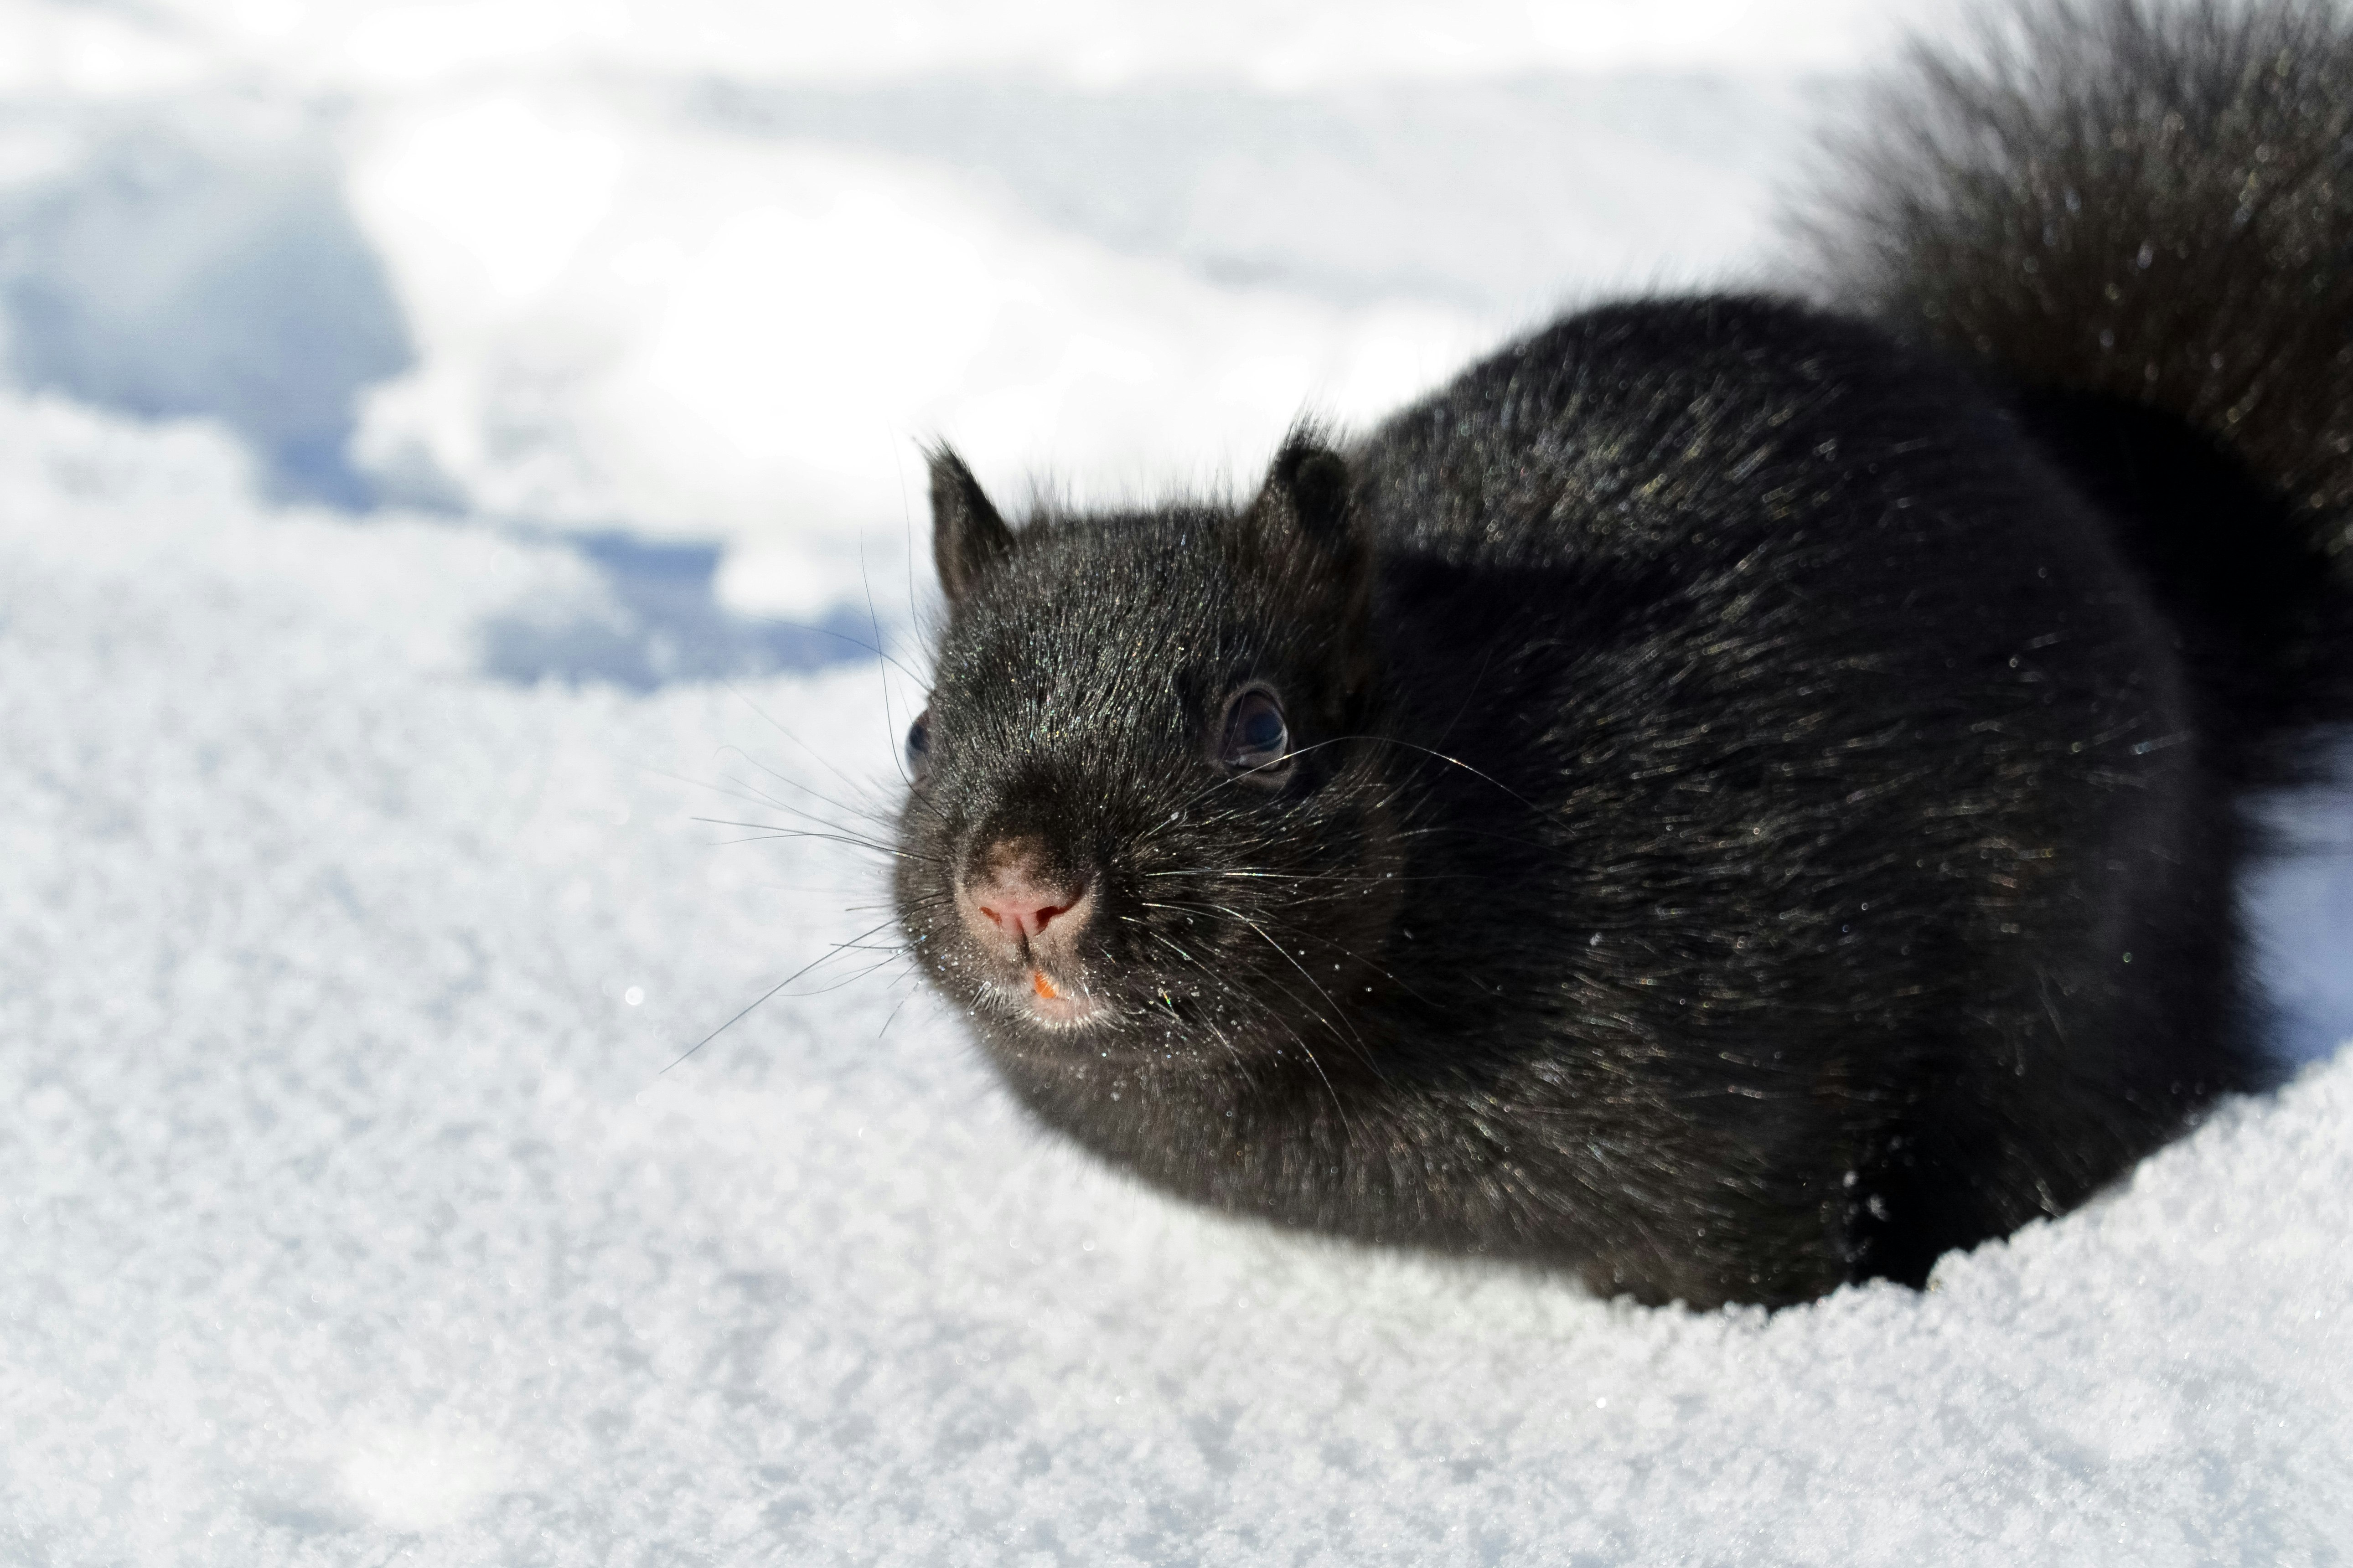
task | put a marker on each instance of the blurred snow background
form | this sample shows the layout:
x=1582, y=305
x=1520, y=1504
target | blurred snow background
x=445, y=449
x=707, y=271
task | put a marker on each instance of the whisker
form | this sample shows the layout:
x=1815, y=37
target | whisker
x=764, y=831
x=773, y=723
x=873, y=647
x=895, y=1011
x=1210, y=1024
x=1287, y=757
x=1381, y=970
x=771, y=991
x=1312, y=1059
x=1251, y=1002
x=760, y=797
x=878, y=818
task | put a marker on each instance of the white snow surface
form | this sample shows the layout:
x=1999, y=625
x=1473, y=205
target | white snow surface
x=356, y=897
x=354, y=1218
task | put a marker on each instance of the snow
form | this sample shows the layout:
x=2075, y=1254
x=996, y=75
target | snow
x=600, y=271
x=419, y=418
x=1284, y=45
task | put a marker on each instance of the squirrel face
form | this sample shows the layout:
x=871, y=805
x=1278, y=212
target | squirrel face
x=1144, y=817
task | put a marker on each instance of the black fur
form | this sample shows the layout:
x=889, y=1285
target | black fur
x=1760, y=810
x=2140, y=216
x=967, y=536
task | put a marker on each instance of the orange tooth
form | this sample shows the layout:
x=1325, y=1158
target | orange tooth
x=1045, y=986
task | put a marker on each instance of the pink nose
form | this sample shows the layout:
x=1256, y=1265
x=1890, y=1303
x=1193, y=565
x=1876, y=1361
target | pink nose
x=1018, y=907
x=1014, y=905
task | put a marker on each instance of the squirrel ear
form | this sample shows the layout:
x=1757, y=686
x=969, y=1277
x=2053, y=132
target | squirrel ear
x=967, y=532
x=1302, y=529
x=1309, y=486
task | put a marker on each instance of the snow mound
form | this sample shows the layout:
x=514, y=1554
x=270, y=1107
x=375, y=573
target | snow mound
x=354, y=1218
x=378, y=45
x=596, y=271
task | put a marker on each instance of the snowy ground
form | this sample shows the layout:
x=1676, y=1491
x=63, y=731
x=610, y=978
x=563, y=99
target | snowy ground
x=424, y=421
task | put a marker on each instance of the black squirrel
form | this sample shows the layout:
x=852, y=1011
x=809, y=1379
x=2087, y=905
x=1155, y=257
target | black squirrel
x=1727, y=798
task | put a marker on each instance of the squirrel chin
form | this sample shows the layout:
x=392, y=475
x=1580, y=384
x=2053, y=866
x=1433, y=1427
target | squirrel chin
x=1054, y=1006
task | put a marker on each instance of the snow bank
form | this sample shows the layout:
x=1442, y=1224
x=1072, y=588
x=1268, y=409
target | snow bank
x=355, y=1220
x=714, y=274
x=170, y=259
x=362, y=46
x=688, y=331
x=737, y=310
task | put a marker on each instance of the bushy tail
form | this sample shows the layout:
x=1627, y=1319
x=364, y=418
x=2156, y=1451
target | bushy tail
x=2140, y=215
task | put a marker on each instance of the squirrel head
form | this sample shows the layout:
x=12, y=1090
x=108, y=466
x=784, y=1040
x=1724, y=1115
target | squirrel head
x=1144, y=817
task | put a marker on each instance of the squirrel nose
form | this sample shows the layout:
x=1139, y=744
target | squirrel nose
x=1021, y=908
x=1013, y=903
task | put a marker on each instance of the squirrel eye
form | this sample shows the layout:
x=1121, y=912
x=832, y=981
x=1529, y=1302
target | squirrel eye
x=1257, y=740
x=919, y=744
